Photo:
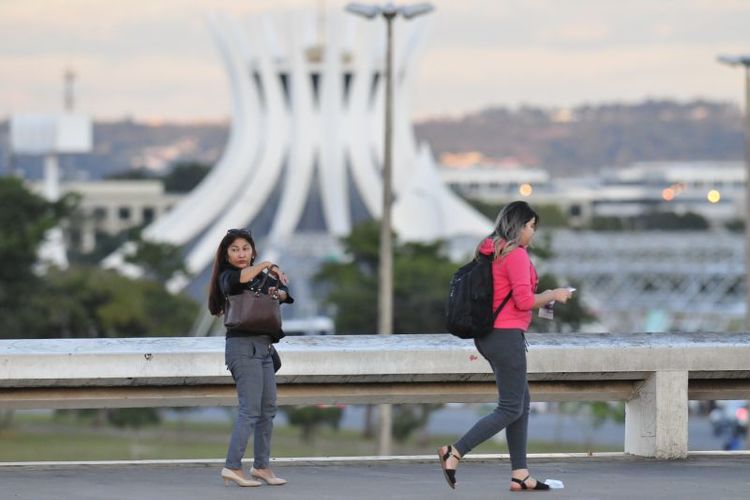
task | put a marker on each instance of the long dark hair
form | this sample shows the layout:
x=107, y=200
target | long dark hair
x=215, y=297
x=508, y=225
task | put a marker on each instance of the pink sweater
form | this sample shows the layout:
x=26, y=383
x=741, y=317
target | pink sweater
x=512, y=272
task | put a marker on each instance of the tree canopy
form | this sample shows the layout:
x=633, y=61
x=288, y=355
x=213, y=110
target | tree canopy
x=421, y=277
x=82, y=301
x=184, y=176
x=24, y=220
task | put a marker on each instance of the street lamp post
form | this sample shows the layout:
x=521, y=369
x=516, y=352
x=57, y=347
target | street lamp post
x=389, y=12
x=744, y=60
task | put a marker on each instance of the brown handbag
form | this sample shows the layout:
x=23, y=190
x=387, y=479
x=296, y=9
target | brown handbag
x=253, y=311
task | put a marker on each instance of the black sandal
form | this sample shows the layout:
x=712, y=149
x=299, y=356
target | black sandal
x=450, y=474
x=539, y=485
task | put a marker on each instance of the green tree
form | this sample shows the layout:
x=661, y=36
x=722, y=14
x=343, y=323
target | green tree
x=608, y=223
x=421, y=277
x=567, y=318
x=671, y=221
x=735, y=225
x=92, y=302
x=132, y=174
x=24, y=219
x=656, y=220
x=310, y=418
x=160, y=261
x=408, y=418
x=82, y=301
x=135, y=418
x=184, y=176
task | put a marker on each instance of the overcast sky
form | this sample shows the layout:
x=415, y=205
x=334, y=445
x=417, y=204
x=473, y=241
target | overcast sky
x=155, y=59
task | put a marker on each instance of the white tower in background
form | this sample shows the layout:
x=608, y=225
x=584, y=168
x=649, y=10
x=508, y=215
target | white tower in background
x=49, y=135
x=305, y=149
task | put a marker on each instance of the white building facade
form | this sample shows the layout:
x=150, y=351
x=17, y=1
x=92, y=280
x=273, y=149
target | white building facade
x=112, y=206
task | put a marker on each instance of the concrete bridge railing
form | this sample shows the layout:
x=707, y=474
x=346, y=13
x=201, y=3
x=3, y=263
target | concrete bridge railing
x=655, y=374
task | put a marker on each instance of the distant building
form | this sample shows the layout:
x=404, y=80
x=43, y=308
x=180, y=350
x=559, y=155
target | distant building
x=305, y=151
x=494, y=183
x=712, y=189
x=112, y=206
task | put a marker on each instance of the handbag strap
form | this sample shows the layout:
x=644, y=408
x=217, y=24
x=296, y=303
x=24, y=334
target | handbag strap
x=263, y=282
x=258, y=289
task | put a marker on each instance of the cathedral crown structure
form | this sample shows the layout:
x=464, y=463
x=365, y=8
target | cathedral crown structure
x=305, y=148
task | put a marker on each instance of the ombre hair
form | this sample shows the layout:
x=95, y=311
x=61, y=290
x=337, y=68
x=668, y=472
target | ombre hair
x=508, y=225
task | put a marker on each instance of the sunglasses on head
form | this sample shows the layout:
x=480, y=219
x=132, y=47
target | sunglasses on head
x=240, y=232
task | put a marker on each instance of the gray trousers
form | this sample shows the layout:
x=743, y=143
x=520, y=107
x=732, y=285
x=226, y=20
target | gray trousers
x=505, y=349
x=249, y=360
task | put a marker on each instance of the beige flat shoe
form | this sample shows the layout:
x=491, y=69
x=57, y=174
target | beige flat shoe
x=230, y=475
x=268, y=477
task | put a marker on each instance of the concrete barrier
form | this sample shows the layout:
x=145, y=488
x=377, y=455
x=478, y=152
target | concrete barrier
x=655, y=374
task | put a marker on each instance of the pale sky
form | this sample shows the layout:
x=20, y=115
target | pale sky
x=155, y=59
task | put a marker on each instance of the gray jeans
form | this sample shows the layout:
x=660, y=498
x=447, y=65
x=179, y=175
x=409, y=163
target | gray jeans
x=505, y=349
x=249, y=360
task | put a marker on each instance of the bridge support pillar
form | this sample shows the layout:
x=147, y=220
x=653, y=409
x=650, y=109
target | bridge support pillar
x=656, y=418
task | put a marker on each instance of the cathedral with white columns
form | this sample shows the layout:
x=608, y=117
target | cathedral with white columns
x=305, y=150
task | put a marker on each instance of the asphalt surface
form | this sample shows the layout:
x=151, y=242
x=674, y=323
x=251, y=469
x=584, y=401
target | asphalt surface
x=610, y=478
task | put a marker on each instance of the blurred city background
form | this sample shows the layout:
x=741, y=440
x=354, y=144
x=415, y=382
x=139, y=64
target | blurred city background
x=133, y=135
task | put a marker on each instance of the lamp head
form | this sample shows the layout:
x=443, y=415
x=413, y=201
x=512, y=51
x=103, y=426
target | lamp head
x=419, y=9
x=743, y=60
x=368, y=11
x=389, y=10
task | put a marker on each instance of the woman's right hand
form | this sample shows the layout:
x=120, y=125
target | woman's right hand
x=561, y=294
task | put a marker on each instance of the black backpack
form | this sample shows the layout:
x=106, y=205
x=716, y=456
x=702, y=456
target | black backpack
x=468, y=312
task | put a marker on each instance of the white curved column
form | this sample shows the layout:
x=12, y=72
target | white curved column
x=425, y=208
x=333, y=185
x=304, y=134
x=429, y=210
x=404, y=144
x=273, y=134
x=376, y=106
x=365, y=171
x=252, y=196
x=204, y=203
x=207, y=200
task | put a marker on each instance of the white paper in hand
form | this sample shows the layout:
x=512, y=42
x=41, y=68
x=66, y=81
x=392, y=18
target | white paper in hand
x=547, y=311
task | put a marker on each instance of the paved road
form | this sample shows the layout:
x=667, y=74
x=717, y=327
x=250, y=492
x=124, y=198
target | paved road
x=714, y=478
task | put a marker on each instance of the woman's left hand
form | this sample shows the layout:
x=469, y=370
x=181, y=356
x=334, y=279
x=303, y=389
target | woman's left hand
x=281, y=294
x=562, y=295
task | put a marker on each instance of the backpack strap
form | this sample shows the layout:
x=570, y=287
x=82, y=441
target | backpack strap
x=502, y=304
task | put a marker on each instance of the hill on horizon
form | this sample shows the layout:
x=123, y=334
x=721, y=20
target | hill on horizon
x=564, y=141
x=589, y=137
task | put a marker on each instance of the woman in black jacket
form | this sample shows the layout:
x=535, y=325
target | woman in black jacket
x=248, y=355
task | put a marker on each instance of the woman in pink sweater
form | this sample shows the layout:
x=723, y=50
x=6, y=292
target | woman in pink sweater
x=505, y=347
